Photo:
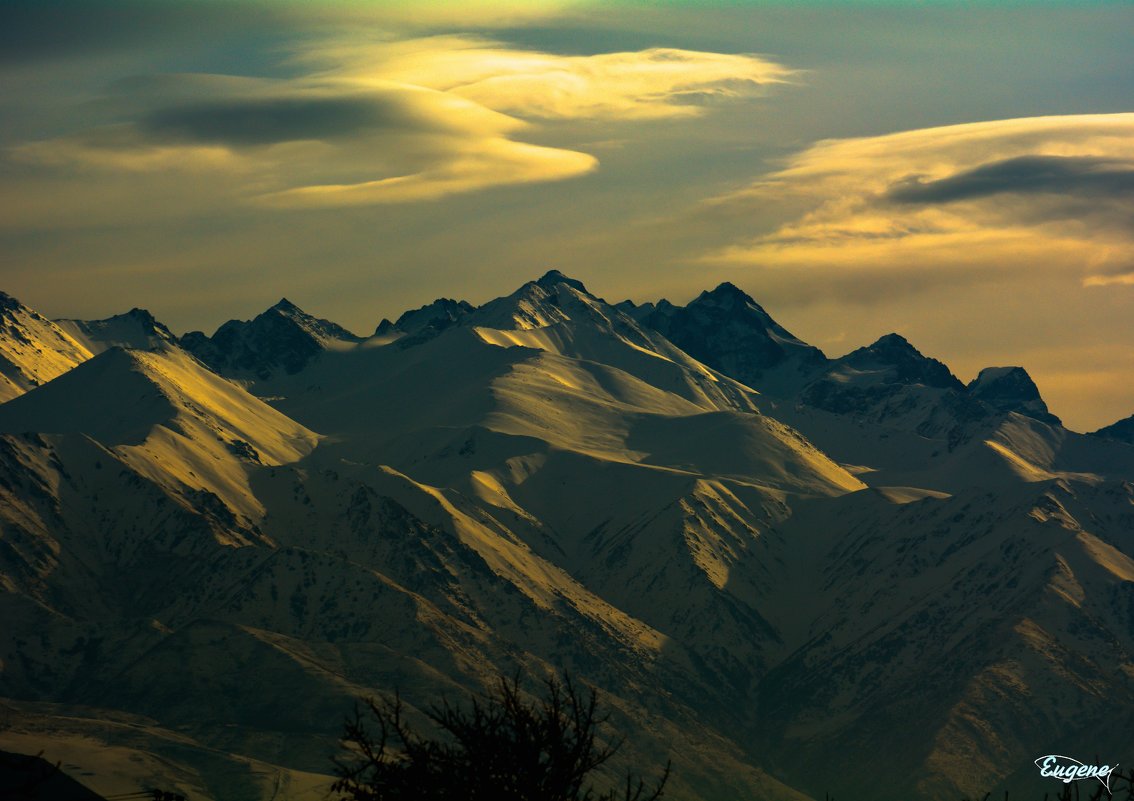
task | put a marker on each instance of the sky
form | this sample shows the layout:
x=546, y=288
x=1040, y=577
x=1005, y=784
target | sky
x=959, y=172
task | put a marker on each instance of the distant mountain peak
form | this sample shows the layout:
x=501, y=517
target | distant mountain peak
x=727, y=291
x=436, y=316
x=536, y=304
x=145, y=319
x=889, y=347
x=137, y=329
x=989, y=375
x=1123, y=430
x=729, y=296
x=904, y=363
x=1011, y=389
x=553, y=277
x=285, y=306
x=893, y=341
x=727, y=330
x=282, y=336
x=33, y=349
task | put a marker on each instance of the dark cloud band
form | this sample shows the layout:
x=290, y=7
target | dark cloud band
x=1066, y=175
x=265, y=121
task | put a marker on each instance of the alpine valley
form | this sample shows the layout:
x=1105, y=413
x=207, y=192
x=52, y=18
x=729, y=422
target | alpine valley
x=790, y=574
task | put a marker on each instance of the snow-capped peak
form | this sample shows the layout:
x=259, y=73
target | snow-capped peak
x=552, y=278
x=438, y=315
x=284, y=336
x=726, y=294
x=285, y=306
x=729, y=331
x=33, y=350
x=137, y=329
x=536, y=304
x=1011, y=389
x=901, y=363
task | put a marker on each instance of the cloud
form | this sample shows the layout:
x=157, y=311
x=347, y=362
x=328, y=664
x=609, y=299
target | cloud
x=1032, y=195
x=655, y=83
x=121, y=148
x=1064, y=175
x=486, y=163
x=270, y=120
x=409, y=120
x=1121, y=274
x=306, y=143
x=1010, y=241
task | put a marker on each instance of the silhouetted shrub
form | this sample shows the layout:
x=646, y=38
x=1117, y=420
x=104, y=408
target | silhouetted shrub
x=499, y=748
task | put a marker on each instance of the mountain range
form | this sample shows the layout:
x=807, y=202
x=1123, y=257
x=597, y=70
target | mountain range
x=792, y=574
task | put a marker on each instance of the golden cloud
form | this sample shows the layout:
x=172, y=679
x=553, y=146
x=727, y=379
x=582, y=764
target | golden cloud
x=1029, y=194
x=649, y=84
x=393, y=121
x=120, y=148
x=482, y=164
x=304, y=143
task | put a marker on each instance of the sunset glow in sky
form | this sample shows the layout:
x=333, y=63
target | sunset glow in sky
x=959, y=172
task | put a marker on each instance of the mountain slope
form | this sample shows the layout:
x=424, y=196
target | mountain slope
x=997, y=622
x=553, y=364
x=33, y=350
x=170, y=418
x=470, y=580
x=886, y=412
x=547, y=482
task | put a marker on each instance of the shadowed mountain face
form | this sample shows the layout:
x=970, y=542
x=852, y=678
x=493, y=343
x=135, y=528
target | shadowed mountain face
x=889, y=387
x=25, y=776
x=871, y=381
x=283, y=338
x=729, y=331
x=437, y=315
x=855, y=576
x=1123, y=431
x=1011, y=389
x=893, y=360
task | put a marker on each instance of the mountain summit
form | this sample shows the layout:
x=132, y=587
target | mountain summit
x=894, y=360
x=33, y=350
x=729, y=331
x=137, y=329
x=552, y=278
x=282, y=338
x=1011, y=389
x=536, y=304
